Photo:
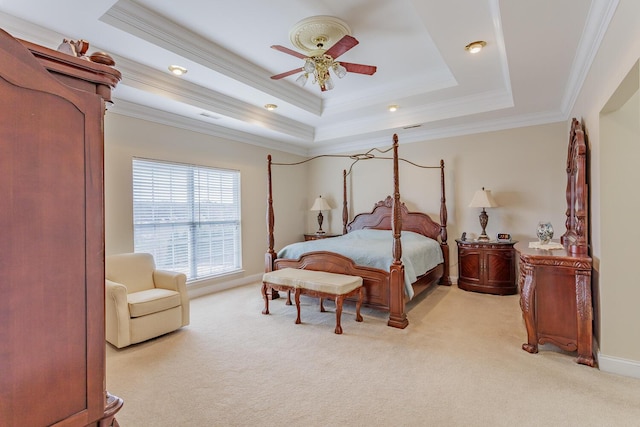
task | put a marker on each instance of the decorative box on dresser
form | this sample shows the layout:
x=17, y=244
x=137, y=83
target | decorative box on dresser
x=487, y=267
x=52, y=331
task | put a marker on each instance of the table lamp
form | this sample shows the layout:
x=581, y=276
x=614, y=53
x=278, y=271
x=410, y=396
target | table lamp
x=483, y=199
x=320, y=205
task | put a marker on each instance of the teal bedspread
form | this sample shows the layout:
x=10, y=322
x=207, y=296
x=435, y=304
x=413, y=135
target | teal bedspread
x=373, y=248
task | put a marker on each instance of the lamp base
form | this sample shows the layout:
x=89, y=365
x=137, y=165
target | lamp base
x=320, y=218
x=484, y=219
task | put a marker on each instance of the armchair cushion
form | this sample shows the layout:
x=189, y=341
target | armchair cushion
x=152, y=301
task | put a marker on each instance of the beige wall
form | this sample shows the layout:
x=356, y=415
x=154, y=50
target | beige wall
x=126, y=138
x=524, y=169
x=621, y=130
x=531, y=161
x=614, y=153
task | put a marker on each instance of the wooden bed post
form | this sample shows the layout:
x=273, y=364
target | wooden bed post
x=397, y=315
x=345, y=211
x=445, y=279
x=270, y=256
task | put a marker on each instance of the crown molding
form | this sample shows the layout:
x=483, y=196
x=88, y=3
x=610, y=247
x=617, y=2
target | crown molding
x=428, y=112
x=598, y=20
x=154, y=28
x=425, y=133
x=150, y=80
x=138, y=111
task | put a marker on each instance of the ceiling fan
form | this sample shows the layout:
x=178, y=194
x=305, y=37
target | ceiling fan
x=321, y=61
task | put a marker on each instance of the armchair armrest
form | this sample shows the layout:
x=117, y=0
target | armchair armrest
x=176, y=282
x=117, y=292
x=170, y=280
x=117, y=314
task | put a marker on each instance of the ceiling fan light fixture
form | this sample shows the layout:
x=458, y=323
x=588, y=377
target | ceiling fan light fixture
x=177, y=70
x=339, y=70
x=313, y=35
x=309, y=66
x=302, y=79
x=328, y=83
x=475, y=47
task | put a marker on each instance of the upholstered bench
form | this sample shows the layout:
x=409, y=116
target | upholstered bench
x=316, y=284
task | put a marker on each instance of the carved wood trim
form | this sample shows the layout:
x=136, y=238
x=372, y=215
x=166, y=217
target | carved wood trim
x=576, y=264
x=576, y=238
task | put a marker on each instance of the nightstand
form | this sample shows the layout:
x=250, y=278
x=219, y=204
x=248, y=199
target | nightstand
x=315, y=236
x=487, y=267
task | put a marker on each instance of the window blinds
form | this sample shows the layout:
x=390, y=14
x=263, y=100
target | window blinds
x=188, y=217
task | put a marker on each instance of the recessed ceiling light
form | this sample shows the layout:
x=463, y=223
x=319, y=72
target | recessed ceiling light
x=177, y=70
x=393, y=107
x=475, y=47
x=270, y=107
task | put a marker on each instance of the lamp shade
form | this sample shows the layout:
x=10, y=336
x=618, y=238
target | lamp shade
x=483, y=199
x=321, y=204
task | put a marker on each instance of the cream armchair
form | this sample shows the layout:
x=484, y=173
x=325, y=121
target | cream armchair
x=142, y=302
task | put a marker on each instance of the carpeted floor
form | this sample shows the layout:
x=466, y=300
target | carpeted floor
x=458, y=363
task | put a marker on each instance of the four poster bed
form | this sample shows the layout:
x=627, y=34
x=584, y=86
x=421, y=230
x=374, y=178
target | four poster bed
x=388, y=284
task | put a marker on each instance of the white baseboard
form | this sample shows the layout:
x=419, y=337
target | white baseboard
x=205, y=288
x=617, y=365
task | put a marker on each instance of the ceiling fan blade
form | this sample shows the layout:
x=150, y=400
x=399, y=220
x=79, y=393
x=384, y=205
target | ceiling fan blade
x=286, y=74
x=289, y=51
x=359, y=68
x=343, y=45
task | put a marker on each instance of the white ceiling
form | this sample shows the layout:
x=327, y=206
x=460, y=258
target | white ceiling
x=536, y=57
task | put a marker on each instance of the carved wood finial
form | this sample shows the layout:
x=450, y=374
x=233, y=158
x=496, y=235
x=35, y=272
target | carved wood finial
x=79, y=48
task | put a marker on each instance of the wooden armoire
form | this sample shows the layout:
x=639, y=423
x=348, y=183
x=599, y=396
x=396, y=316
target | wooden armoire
x=52, y=338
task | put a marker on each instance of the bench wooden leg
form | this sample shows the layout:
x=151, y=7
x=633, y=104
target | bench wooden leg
x=339, y=300
x=359, y=304
x=322, y=310
x=288, y=297
x=265, y=297
x=297, y=298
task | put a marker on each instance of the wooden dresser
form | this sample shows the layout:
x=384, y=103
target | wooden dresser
x=52, y=357
x=556, y=300
x=555, y=295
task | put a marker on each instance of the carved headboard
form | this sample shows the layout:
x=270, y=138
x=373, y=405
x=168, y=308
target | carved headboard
x=576, y=238
x=381, y=217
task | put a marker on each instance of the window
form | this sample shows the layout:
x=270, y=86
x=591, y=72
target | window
x=188, y=217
